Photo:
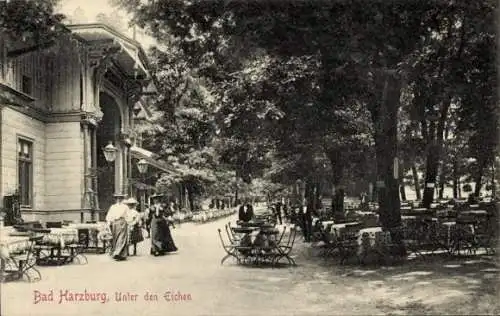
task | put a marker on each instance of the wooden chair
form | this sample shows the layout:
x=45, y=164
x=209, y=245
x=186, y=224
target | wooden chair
x=24, y=264
x=230, y=249
x=284, y=251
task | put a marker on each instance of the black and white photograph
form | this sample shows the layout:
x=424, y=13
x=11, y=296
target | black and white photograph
x=249, y=157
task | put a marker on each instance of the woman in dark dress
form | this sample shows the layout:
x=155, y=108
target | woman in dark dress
x=161, y=238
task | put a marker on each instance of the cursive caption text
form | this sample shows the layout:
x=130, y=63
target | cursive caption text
x=68, y=297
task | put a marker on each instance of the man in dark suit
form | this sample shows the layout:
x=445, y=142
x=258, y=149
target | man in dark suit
x=277, y=210
x=306, y=210
x=245, y=213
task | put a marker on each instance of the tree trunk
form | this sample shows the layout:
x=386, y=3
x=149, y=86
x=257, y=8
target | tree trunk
x=385, y=121
x=455, y=179
x=459, y=188
x=309, y=195
x=478, y=180
x=435, y=141
x=335, y=157
x=190, y=197
x=402, y=191
x=416, y=182
x=442, y=181
x=386, y=151
x=430, y=175
x=235, y=197
x=181, y=195
x=318, y=196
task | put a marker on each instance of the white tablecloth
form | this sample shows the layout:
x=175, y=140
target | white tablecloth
x=326, y=223
x=372, y=237
x=102, y=229
x=61, y=236
x=12, y=244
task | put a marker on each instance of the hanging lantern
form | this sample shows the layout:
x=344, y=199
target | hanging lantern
x=110, y=152
x=142, y=165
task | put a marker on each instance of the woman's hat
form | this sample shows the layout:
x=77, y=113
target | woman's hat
x=130, y=201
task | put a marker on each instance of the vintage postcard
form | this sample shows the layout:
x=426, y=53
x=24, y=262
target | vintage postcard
x=248, y=157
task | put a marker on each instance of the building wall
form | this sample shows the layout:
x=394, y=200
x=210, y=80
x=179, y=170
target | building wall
x=64, y=167
x=15, y=124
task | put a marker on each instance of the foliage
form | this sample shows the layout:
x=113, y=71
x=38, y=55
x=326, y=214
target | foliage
x=30, y=20
x=305, y=99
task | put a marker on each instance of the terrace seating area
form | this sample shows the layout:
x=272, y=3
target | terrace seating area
x=454, y=228
x=25, y=246
x=259, y=242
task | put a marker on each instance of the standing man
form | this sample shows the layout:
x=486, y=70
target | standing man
x=278, y=208
x=306, y=214
x=245, y=213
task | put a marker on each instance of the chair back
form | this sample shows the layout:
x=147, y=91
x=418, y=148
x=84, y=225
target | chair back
x=53, y=225
x=281, y=236
x=291, y=240
x=229, y=234
x=221, y=239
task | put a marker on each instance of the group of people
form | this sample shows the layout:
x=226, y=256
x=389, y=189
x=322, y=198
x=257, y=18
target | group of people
x=126, y=224
x=300, y=214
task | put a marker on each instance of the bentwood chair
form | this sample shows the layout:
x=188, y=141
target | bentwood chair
x=285, y=250
x=230, y=249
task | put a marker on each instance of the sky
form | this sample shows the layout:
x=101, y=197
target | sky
x=90, y=10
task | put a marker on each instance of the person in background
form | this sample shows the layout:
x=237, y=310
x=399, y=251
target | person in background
x=148, y=216
x=116, y=219
x=134, y=224
x=285, y=209
x=172, y=214
x=145, y=219
x=277, y=209
x=306, y=215
x=161, y=238
x=245, y=213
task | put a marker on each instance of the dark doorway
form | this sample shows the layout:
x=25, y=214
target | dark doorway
x=107, y=131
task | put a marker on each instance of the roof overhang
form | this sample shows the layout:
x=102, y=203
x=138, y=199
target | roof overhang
x=131, y=58
x=150, y=157
x=144, y=113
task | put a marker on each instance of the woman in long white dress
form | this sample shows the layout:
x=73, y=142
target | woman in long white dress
x=117, y=221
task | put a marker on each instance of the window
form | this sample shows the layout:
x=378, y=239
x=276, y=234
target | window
x=27, y=83
x=25, y=171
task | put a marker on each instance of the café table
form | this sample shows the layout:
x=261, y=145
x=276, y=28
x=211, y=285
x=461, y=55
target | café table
x=336, y=230
x=17, y=258
x=369, y=238
x=474, y=212
x=59, y=246
x=325, y=224
x=244, y=230
x=250, y=224
x=93, y=236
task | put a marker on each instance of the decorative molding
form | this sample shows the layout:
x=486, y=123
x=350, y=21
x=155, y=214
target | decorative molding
x=46, y=117
x=90, y=118
x=13, y=96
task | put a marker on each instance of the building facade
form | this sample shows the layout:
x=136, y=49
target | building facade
x=60, y=105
